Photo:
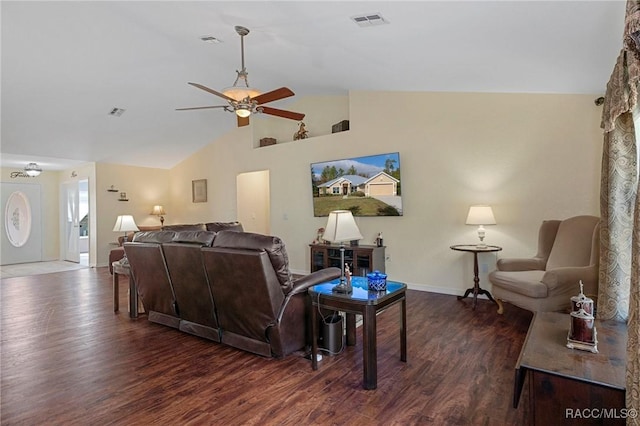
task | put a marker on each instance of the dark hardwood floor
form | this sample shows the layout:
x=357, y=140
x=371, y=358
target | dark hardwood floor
x=67, y=358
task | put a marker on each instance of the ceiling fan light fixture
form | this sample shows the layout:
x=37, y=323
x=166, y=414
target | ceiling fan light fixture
x=243, y=110
x=32, y=170
x=240, y=93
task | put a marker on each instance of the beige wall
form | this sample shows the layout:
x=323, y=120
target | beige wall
x=531, y=157
x=145, y=187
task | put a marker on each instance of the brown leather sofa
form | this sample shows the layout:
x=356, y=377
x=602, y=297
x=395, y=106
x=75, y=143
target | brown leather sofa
x=231, y=287
x=117, y=253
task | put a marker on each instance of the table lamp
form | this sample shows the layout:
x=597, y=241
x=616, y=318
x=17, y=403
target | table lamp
x=341, y=227
x=159, y=211
x=125, y=223
x=480, y=215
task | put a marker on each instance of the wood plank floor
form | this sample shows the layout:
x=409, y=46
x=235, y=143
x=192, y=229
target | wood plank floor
x=67, y=358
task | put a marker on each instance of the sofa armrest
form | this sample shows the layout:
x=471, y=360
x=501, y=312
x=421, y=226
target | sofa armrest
x=302, y=284
x=515, y=264
x=571, y=275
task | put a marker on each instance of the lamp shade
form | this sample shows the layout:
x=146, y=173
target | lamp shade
x=125, y=223
x=158, y=211
x=341, y=227
x=480, y=215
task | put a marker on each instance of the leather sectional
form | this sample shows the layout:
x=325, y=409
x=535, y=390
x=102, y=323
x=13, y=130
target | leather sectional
x=228, y=286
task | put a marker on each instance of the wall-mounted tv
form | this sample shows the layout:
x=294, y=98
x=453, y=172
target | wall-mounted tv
x=368, y=186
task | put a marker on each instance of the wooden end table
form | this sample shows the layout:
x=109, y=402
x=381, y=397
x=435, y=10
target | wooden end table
x=368, y=304
x=476, y=290
x=124, y=269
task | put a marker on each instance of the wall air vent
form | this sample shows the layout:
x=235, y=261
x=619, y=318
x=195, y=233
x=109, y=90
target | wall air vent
x=116, y=112
x=369, y=19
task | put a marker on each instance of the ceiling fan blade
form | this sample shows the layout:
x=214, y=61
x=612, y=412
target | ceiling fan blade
x=204, y=107
x=273, y=95
x=282, y=113
x=213, y=92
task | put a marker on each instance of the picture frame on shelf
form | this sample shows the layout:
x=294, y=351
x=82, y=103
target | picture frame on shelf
x=199, y=191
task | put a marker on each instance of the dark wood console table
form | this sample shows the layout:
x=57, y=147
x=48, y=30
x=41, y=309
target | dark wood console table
x=562, y=379
x=362, y=258
x=120, y=269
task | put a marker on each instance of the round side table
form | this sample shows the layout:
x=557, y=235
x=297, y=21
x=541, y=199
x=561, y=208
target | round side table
x=476, y=290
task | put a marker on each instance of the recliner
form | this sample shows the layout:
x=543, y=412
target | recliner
x=261, y=308
x=568, y=252
x=149, y=270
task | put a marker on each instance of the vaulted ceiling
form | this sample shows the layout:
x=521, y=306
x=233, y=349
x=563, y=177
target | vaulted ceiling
x=66, y=65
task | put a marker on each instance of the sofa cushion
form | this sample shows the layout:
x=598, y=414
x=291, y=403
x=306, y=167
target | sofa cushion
x=203, y=238
x=224, y=226
x=527, y=283
x=185, y=227
x=157, y=237
x=270, y=244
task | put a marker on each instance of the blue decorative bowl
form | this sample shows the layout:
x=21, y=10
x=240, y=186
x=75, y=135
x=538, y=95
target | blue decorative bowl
x=377, y=281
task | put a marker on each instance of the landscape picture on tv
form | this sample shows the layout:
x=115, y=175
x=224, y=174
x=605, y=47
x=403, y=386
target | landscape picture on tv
x=368, y=186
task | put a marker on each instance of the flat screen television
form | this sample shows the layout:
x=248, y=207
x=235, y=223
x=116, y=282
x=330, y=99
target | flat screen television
x=368, y=186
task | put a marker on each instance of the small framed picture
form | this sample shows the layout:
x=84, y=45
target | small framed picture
x=199, y=190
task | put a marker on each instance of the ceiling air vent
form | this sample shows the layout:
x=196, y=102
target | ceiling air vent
x=210, y=39
x=369, y=19
x=116, y=112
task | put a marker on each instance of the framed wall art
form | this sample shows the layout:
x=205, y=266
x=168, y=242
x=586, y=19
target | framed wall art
x=199, y=191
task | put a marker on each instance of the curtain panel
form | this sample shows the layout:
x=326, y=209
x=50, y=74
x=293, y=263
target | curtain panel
x=619, y=286
x=618, y=186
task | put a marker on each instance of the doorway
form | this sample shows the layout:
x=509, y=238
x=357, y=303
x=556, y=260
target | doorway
x=253, y=202
x=75, y=215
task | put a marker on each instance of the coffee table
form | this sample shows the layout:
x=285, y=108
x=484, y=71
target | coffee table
x=368, y=304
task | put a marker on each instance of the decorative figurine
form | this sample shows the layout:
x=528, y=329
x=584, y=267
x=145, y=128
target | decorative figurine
x=347, y=276
x=319, y=239
x=302, y=133
x=582, y=334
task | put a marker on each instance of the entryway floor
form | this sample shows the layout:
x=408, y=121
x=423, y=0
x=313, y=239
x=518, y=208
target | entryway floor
x=37, y=268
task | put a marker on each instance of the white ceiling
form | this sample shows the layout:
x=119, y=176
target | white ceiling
x=65, y=65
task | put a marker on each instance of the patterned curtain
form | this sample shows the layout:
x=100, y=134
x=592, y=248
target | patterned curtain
x=618, y=187
x=619, y=287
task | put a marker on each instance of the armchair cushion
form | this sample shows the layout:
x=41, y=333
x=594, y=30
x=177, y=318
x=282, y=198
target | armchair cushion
x=527, y=283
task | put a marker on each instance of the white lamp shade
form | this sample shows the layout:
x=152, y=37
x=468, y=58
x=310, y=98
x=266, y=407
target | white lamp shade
x=158, y=211
x=341, y=227
x=125, y=223
x=480, y=215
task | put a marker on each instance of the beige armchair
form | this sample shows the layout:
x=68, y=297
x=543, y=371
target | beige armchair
x=568, y=252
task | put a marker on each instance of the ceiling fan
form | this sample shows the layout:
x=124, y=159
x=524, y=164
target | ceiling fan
x=244, y=100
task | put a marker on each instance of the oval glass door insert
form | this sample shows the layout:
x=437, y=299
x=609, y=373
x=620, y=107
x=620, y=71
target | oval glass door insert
x=17, y=219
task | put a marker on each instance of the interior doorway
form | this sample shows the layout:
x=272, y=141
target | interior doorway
x=75, y=216
x=253, y=201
